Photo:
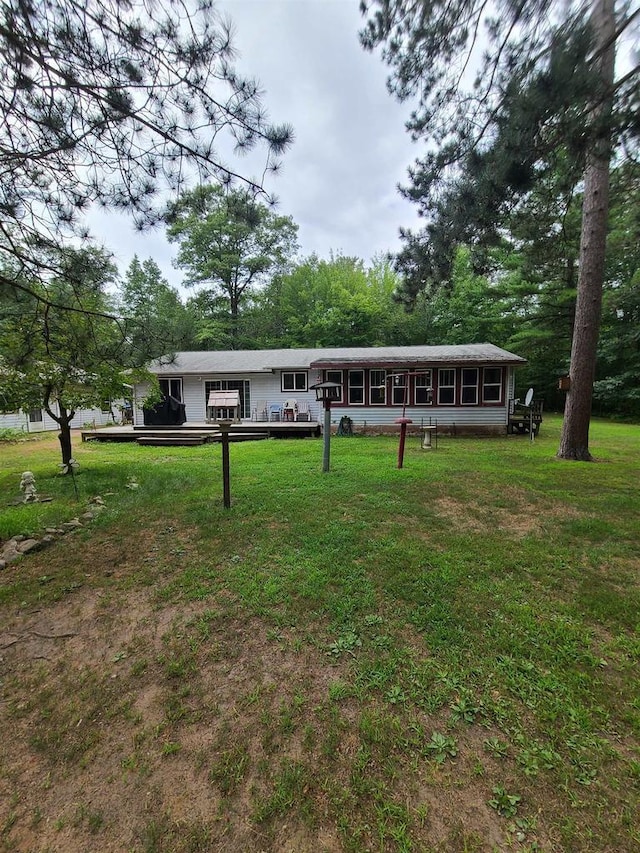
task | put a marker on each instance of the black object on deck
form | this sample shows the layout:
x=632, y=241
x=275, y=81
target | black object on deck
x=168, y=412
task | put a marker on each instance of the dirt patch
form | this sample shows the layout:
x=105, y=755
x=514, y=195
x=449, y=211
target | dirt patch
x=114, y=717
x=131, y=724
x=519, y=519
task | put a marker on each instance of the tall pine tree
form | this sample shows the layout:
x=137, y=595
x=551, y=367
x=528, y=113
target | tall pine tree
x=544, y=87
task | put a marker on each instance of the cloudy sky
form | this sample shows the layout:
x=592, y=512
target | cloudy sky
x=351, y=149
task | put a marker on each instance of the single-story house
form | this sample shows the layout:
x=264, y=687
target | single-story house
x=465, y=389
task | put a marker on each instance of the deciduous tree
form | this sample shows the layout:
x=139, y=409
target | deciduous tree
x=60, y=350
x=336, y=302
x=231, y=243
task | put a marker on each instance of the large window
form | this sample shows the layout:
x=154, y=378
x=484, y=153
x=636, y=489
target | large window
x=469, y=391
x=356, y=388
x=423, y=389
x=294, y=381
x=492, y=385
x=446, y=386
x=378, y=387
x=241, y=385
x=171, y=388
x=335, y=376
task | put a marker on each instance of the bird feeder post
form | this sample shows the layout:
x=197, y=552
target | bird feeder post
x=327, y=393
x=225, y=425
x=403, y=435
x=403, y=421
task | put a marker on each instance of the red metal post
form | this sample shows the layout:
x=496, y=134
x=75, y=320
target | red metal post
x=403, y=434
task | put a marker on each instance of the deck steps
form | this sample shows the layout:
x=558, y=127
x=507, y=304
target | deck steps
x=241, y=436
x=172, y=440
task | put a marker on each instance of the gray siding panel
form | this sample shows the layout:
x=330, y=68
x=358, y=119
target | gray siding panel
x=20, y=420
x=14, y=420
x=446, y=416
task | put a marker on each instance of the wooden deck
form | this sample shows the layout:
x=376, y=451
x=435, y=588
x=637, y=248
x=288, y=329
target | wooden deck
x=190, y=434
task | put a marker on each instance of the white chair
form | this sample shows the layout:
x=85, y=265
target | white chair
x=290, y=410
x=303, y=411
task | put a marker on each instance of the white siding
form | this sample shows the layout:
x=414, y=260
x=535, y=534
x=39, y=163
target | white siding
x=193, y=398
x=20, y=420
x=14, y=420
x=266, y=387
x=463, y=417
x=84, y=416
x=262, y=387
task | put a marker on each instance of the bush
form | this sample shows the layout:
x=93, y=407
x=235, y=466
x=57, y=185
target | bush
x=13, y=434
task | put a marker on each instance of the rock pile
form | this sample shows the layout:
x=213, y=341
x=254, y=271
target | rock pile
x=19, y=546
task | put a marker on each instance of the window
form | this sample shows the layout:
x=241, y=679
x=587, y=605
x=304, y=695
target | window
x=35, y=416
x=377, y=387
x=399, y=390
x=335, y=376
x=446, y=386
x=469, y=394
x=294, y=381
x=423, y=389
x=492, y=385
x=171, y=388
x=356, y=387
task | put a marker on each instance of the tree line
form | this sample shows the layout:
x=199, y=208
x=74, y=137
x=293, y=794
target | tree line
x=519, y=293
x=244, y=286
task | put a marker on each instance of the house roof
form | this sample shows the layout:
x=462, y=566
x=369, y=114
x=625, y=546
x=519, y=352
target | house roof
x=267, y=361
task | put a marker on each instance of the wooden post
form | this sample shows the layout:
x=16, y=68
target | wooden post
x=226, y=486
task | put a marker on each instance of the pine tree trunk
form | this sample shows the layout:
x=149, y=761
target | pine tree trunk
x=235, y=310
x=574, y=441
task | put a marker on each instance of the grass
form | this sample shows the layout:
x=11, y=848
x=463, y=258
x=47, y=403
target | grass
x=443, y=657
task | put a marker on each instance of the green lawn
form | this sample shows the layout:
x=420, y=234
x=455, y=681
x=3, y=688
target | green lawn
x=443, y=657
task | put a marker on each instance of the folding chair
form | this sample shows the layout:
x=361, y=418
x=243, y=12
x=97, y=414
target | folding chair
x=259, y=411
